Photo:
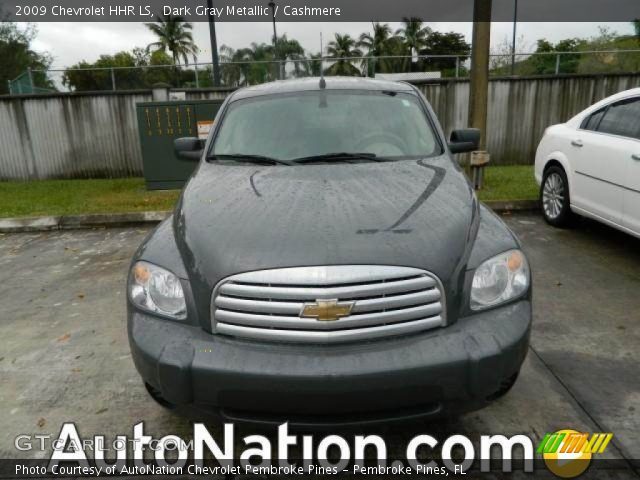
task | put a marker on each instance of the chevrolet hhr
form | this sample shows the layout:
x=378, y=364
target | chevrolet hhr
x=328, y=263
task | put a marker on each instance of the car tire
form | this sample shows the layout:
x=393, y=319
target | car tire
x=158, y=398
x=555, y=202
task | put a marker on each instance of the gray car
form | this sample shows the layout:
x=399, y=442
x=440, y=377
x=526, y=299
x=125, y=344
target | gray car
x=328, y=263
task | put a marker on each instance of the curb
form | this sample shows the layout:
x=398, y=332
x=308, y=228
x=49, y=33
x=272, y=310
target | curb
x=499, y=206
x=108, y=220
x=78, y=222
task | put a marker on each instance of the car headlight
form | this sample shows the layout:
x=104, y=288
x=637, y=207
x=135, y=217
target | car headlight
x=500, y=279
x=157, y=290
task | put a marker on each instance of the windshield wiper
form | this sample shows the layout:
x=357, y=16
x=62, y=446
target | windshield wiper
x=242, y=157
x=340, y=156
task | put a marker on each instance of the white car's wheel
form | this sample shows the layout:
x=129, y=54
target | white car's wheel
x=554, y=197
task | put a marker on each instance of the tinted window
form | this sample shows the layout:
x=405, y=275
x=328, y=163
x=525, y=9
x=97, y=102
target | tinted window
x=622, y=118
x=592, y=121
x=305, y=124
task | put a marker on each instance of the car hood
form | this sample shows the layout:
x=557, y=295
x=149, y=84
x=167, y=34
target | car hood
x=244, y=217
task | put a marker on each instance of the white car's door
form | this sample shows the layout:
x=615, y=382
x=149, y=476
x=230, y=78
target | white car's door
x=631, y=215
x=600, y=155
x=631, y=200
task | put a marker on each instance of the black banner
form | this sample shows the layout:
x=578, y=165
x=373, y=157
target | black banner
x=316, y=10
x=210, y=469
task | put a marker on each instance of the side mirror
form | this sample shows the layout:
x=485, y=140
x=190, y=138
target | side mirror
x=465, y=140
x=188, y=148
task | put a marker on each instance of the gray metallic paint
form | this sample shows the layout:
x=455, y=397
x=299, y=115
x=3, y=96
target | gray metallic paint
x=388, y=213
x=415, y=213
x=454, y=369
x=238, y=218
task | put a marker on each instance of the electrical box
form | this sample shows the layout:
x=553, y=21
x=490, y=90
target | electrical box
x=159, y=124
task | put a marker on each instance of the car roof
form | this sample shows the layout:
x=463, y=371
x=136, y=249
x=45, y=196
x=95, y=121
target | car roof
x=313, y=84
x=634, y=92
x=576, y=120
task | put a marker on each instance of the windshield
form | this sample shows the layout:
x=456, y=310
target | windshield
x=308, y=124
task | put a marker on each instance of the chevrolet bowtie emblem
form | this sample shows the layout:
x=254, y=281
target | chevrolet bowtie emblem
x=326, y=310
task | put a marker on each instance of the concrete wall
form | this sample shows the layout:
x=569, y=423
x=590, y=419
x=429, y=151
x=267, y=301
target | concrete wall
x=96, y=134
x=88, y=135
x=70, y=136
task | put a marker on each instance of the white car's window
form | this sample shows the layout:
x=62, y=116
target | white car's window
x=593, y=120
x=622, y=118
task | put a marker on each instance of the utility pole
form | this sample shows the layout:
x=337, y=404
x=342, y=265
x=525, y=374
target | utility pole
x=513, y=44
x=214, y=45
x=479, y=87
x=272, y=5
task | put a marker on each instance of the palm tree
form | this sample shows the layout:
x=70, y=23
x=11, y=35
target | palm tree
x=262, y=69
x=174, y=34
x=343, y=48
x=414, y=36
x=290, y=50
x=377, y=45
x=230, y=71
x=311, y=66
x=248, y=66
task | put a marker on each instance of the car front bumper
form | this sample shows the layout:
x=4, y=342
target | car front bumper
x=439, y=372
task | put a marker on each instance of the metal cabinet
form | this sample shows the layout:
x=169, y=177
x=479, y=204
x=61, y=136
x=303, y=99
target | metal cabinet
x=159, y=124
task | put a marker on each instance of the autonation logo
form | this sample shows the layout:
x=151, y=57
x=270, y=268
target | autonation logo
x=257, y=454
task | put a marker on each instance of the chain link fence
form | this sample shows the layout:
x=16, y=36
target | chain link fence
x=238, y=74
x=27, y=83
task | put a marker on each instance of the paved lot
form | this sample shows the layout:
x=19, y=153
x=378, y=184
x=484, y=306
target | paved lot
x=64, y=354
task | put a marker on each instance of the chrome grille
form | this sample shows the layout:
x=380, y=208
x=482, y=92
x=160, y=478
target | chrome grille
x=267, y=304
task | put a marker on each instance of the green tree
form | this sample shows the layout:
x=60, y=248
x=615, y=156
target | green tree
x=312, y=66
x=609, y=62
x=175, y=35
x=373, y=44
x=377, y=45
x=343, y=48
x=395, y=47
x=414, y=37
x=291, y=50
x=546, y=64
x=263, y=68
x=85, y=76
x=259, y=63
x=18, y=56
x=450, y=43
x=230, y=71
x=615, y=53
x=128, y=69
x=248, y=66
x=155, y=74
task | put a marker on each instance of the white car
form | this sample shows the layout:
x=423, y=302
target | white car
x=591, y=165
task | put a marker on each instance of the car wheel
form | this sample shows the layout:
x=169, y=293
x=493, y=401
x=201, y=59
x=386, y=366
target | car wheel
x=554, y=197
x=157, y=396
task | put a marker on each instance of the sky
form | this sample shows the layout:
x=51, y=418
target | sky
x=70, y=43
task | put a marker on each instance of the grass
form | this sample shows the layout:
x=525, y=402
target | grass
x=68, y=197
x=509, y=183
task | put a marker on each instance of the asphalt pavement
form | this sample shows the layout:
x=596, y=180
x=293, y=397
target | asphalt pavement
x=64, y=354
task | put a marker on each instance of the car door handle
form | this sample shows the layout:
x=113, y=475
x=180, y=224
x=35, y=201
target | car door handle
x=636, y=157
x=577, y=143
